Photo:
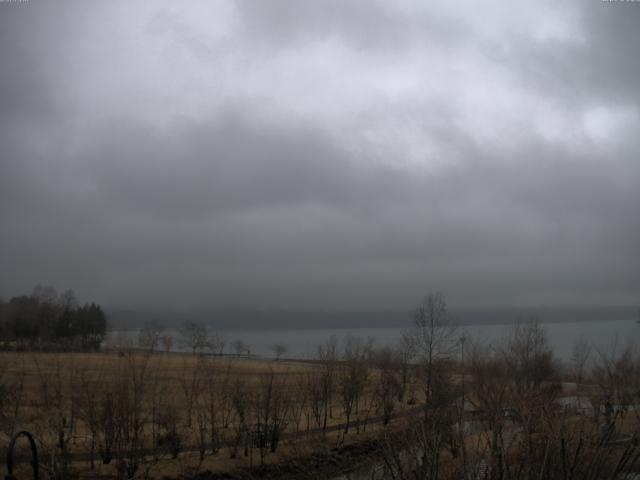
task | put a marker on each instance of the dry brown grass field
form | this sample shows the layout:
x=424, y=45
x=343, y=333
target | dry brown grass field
x=138, y=414
x=129, y=414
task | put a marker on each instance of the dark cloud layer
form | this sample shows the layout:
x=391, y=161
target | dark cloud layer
x=321, y=154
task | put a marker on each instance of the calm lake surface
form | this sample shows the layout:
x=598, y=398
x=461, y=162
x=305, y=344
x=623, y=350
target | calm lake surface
x=602, y=335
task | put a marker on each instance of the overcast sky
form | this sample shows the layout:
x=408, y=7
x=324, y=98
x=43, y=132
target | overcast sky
x=337, y=153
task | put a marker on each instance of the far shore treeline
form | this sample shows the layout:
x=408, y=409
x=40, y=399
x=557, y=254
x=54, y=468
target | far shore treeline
x=46, y=320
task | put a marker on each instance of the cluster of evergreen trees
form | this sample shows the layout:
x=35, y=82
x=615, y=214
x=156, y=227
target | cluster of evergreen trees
x=45, y=319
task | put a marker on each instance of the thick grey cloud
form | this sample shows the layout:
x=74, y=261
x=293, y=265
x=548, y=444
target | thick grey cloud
x=321, y=154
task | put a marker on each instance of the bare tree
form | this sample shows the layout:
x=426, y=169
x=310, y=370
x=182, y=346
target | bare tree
x=216, y=343
x=530, y=367
x=299, y=400
x=327, y=357
x=529, y=357
x=433, y=341
x=131, y=413
x=194, y=336
x=490, y=388
x=270, y=408
x=55, y=409
x=226, y=395
x=279, y=349
x=149, y=335
x=211, y=405
x=433, y=338
x=406, y=351
x=68, y=299
x=352, y=376
x=388, y=386
x=11, y=398
x=316, y=392
x=191, y=381
x=241, y=401
x=617, y=375
x=240, y=347
x=579, y=360
x=170, y=438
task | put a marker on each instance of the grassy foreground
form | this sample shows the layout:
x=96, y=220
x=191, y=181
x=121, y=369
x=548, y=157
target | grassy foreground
x=508, y=411
x=133, y=414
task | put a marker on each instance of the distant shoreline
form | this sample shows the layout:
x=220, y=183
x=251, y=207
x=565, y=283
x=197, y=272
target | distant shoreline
x=272, y=320
x=376, y=326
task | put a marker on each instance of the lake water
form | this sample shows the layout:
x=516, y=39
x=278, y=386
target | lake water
x=303, y=343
